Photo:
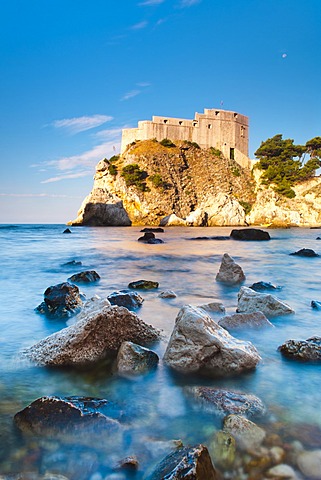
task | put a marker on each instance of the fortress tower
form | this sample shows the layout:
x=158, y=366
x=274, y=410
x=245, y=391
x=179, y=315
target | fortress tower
x=228, y=131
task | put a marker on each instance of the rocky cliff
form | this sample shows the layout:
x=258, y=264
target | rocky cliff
x=152, y=184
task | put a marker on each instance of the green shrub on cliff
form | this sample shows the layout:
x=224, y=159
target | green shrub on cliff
x=133, y=175
x=166, y=142
x=112, y=169
x=283, y=162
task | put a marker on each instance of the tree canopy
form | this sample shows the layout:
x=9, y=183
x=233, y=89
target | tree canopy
x=284, y=164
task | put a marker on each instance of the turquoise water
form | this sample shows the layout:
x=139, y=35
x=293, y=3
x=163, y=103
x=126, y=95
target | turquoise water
x=156, y=410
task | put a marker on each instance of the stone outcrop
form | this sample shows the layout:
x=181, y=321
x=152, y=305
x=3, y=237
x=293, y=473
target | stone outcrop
x=195, y=187
x=187, y=463
x=304, y=350
x=230, y=272
x=199, y=345
x=92, y=338
x=250, y=301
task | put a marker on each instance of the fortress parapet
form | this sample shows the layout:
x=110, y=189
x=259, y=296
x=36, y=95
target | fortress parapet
x=225, y=130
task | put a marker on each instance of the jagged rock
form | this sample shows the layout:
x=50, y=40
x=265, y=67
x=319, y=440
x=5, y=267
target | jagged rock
x=92, y=338
x=305, y=350
x=305, y=252
x=61, y=300
x=316, y=305
x=225, y=402
x=167, y=294
x=133, y=359
x=309, y=464
x=244, y=320
x=187, y=463
x=262, y=286
x=153, y=229
x=230, y=272
x=143, y=285
x=213, y=307
x=72, y=263
x=199, y=344
x=87, y=276
x=67, y=231
x=172, y=220
x=250, y=234
x=52, y=415
x=250, y=301
x=124, y=298
x=247, y=434
x=282, y=471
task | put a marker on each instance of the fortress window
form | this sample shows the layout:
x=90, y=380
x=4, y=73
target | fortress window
x=235, y=115
x=195, y=124
x=165, y=121
x=231, y=153
x=217, y=112
x=209, y=126
x=180, y=122
x=242, y=131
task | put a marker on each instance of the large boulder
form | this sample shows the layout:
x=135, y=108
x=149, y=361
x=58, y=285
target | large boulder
x=199, y=345
x=249, y=234
x=187, y=463
x=244, y=320
x=251, y=301
x=305, y=350
x=54, y=415
x=92, y=338
x=61, y=300
x=87, y=276
x=125, y=298
x=230, y=272
x=132, y=359
x=224, y=402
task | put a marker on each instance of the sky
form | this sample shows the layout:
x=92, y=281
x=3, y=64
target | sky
x=73, y=73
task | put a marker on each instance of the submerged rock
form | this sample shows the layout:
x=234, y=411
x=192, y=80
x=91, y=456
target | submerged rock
x=72, y=263
x=143, y=285
x=167, y=294
x=61, y=300
x=125, y=298
x=223, y=449
x=87, y=276
x=67, y=230
x=230, y=272
x=153, y=229
x=199, y=344
x=132, y=359
x=249, y=234
x=213, y=307
x=247, y=434
x=305, y=350
x=149, y=237
x=225, y=402
x=187, y=463
x=215, y=237
x=52, y=415
x=92, y=338
x=305, y=252
x=309, y=464
x=262, y=286
x=316, y=305
x=282, y=471
x=250, y=301
x=244, y=320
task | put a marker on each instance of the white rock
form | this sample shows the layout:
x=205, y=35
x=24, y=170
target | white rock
x=309, y=464
x=199, y=344
x=251, y=301
x=282, y=471
x=230, y=272
x=172, y=220
x=247, y=434
x=245, y=320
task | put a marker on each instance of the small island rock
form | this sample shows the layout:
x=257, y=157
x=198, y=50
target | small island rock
x=249, y=234
x=87, y=276
x=262, y=286
x=305, y=252
x=125, y=298
x=67, y=230
x=61, y=300
x=167, y=294
x=305, y=350
x=143, y=285
x=250, y=301
x=230, y=272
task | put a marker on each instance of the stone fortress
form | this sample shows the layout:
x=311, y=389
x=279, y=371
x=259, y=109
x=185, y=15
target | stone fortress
x=225, y=130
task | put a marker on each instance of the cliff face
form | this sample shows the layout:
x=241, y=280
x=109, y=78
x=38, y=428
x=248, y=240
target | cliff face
x=188, y=186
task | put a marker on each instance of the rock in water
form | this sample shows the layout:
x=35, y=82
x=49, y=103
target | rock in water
x=61, y=300
x=58, y=415
x=146, y=237
x=199, y=345
x=67, y=230
x=143, y=285
x=225, y=402
x=153, y=229
x=187, y=463
x=230, y=272
x=249, y=234
x=247, y=434
x=316, y=305
x=87, y=276
x=309, y=464
x=92, y=338
x=244, y=320
x=305, y=252
x=261, y=286
x=132, y=359
x=124, y=298
x=305, y=350
x=250, y=301
x=167, y=294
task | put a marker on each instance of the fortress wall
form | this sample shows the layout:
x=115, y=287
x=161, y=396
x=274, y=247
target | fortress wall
x=129, y=135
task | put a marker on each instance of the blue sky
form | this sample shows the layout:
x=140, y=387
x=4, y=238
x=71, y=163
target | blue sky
x=74, y=73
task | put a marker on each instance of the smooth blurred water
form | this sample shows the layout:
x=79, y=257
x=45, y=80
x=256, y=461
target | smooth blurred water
x=31, y=260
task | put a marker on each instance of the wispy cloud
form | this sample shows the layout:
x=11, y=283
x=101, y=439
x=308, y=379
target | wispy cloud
x=131, y=94
x=189, y=3
x=139, y=25
x=151, y=2
x=67, y=176
x=80, y=124
x=143, y=84
x=37, y=195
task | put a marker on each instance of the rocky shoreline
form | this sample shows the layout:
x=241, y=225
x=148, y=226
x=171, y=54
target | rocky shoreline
x=249, y=442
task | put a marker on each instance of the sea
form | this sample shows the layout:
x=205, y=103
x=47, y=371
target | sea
x=157, y=413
